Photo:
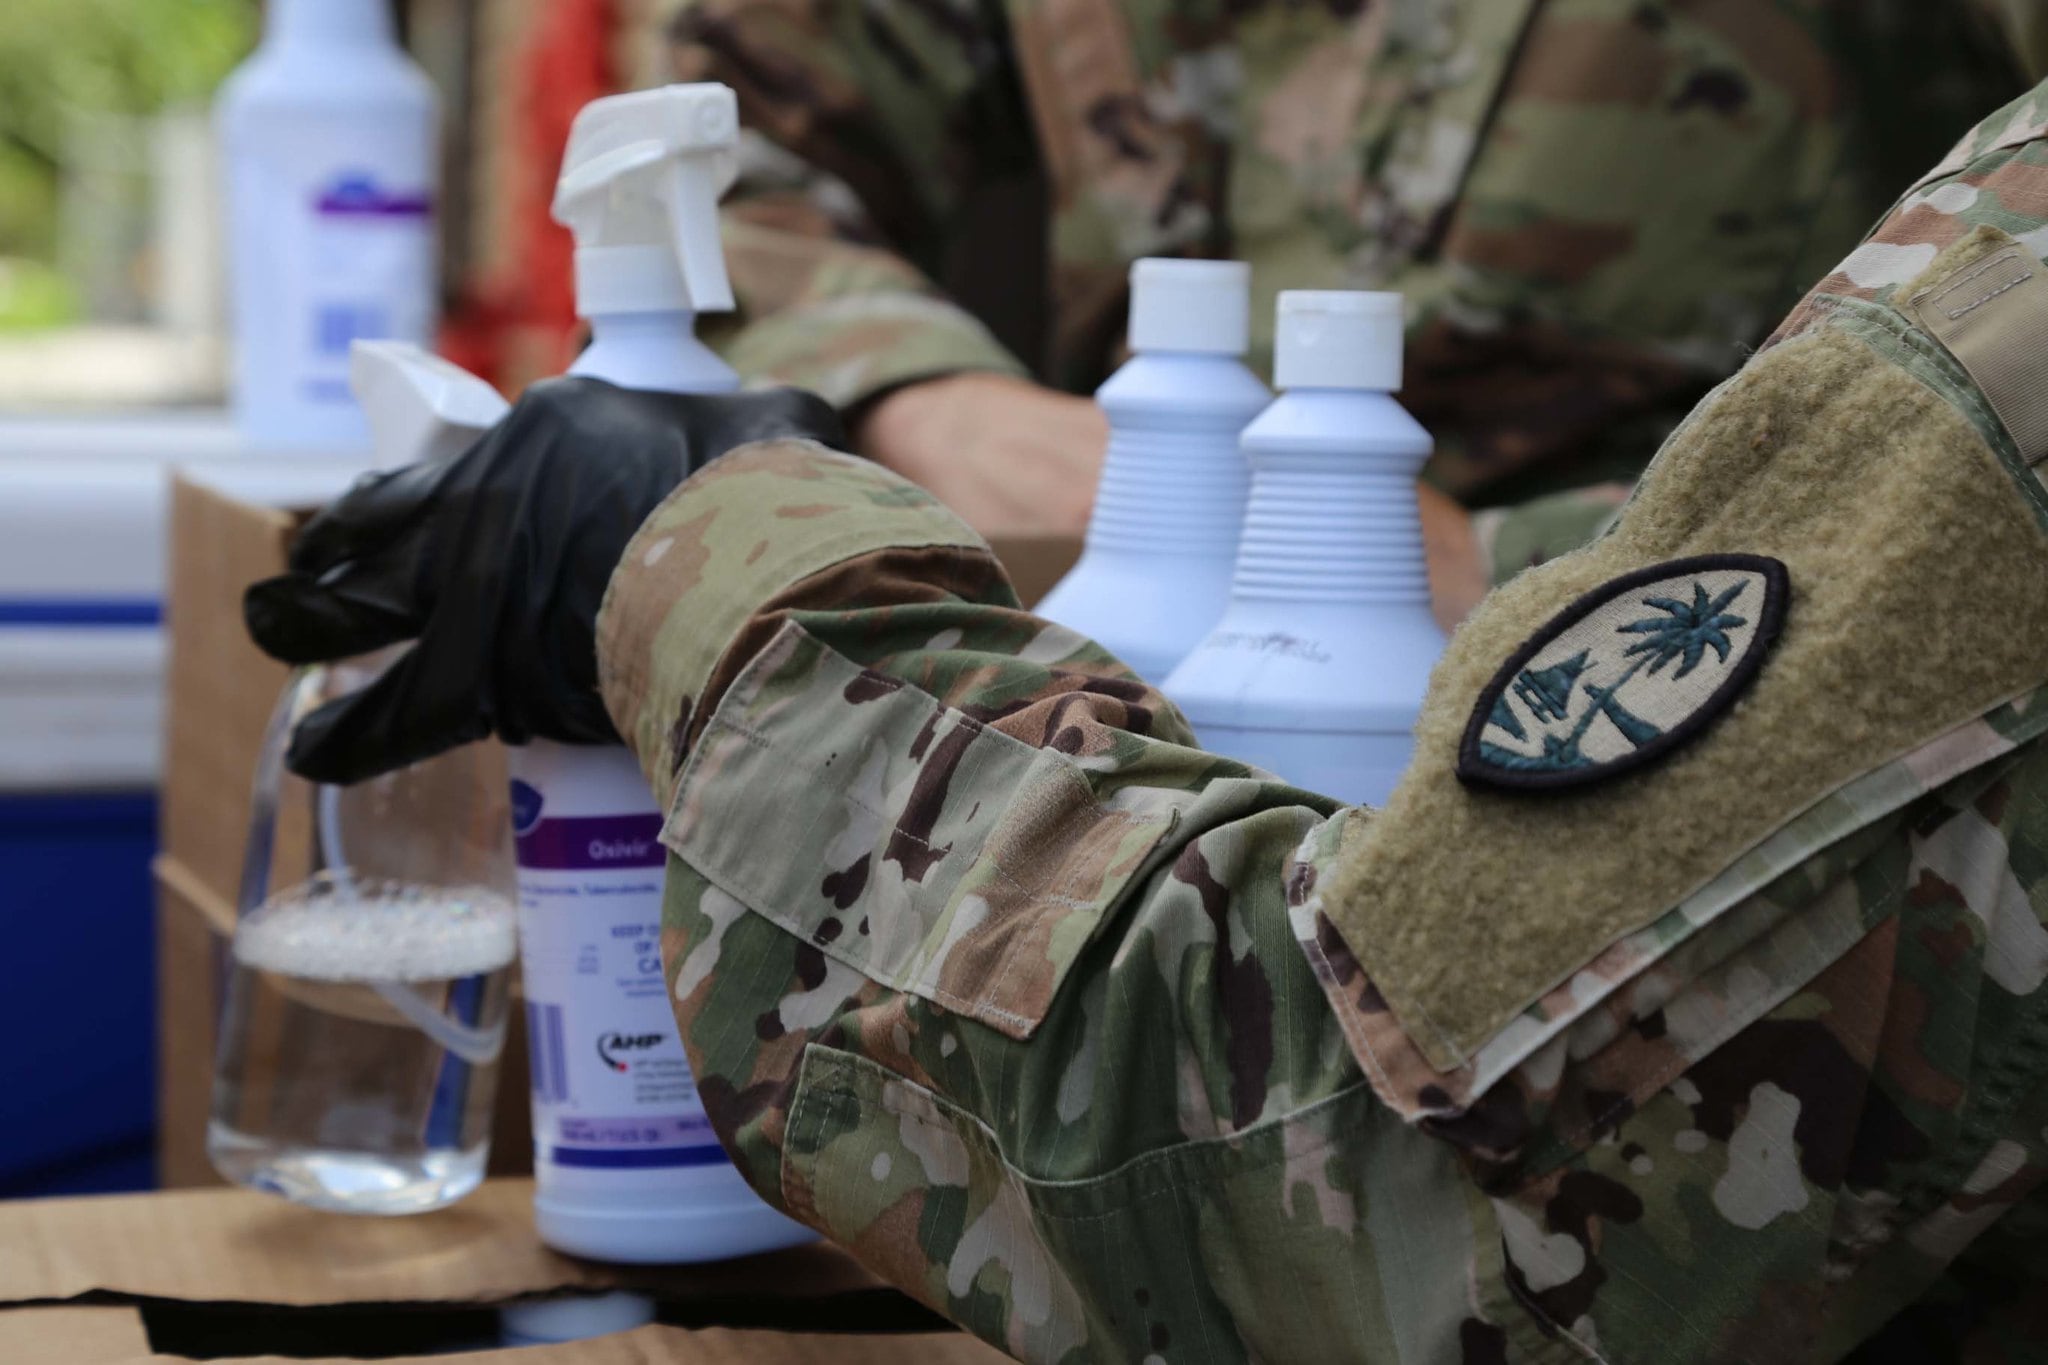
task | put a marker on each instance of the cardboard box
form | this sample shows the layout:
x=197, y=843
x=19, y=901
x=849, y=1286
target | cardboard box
x=219, y=1273
x=1035, y=563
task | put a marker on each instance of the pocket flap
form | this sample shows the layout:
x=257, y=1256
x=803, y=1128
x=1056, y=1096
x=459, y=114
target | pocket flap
x=904, y=838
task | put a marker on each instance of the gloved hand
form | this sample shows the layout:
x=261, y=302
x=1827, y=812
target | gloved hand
x=496, y=563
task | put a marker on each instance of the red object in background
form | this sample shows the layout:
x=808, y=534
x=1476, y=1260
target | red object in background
x=523, y=325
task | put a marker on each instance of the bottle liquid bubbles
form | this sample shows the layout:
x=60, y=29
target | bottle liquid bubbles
x=366, y=1002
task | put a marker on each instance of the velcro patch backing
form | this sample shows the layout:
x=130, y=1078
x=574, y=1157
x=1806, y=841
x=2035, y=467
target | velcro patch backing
x=1916, y=601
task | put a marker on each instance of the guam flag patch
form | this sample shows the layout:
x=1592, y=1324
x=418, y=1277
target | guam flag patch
x=1631, y=671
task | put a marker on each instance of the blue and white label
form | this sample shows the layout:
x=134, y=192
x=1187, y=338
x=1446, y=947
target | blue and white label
x=364, y=267
x=611, y=1085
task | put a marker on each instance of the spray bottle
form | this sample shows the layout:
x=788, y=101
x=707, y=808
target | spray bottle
x=626, y=1165
x=1155, y=572
x=329, y=133
x=1317, y=669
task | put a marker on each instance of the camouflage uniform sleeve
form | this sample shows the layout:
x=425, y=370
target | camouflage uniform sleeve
x=985, y=971
x=1749, y=1046
x=1511, y=539
x=838, y=227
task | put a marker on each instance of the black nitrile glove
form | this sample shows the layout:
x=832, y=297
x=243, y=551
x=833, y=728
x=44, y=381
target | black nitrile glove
x=496, y=563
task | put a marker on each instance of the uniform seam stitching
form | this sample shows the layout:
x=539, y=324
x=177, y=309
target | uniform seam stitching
x=952, y=1116
x=1936, y=295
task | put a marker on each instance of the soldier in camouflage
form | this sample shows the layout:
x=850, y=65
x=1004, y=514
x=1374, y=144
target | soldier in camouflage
x=1726, y=1039
x=1110, y=1049
x=1593, y=207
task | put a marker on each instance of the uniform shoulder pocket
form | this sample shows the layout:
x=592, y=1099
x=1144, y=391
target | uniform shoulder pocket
x=899, y=835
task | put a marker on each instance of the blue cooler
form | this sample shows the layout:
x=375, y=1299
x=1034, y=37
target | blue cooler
x=81, y=674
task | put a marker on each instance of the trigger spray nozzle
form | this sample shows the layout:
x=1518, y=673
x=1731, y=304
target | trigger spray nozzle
x=420, y=407
x=639, y=188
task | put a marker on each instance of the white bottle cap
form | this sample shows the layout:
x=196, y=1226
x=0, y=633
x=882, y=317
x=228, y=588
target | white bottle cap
x=419, y=406
x=1338, y=339
x=1203, y=307
x=640, y=185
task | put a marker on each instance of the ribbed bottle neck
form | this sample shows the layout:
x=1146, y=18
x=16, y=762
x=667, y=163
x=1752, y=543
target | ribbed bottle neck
x=1168, y=491
x=1332, y=516
x=1173, y=478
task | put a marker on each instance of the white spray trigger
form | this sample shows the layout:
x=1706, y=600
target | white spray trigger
x=420, y=407
x=639, y=188
x=694, y=185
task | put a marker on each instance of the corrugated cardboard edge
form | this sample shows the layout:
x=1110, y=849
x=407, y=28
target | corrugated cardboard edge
x=116, y=1336
x=236, y=1246
x=228, y=1247
x=657, y=1345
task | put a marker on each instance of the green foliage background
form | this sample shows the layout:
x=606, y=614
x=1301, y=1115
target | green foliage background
x=113, y=56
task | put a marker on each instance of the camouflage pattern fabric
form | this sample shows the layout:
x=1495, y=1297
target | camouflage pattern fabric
x=1511, y=539
x=1593, y=206
x=990, y=975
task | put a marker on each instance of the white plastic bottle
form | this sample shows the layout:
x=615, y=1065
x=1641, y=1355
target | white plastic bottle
x=329, y=135
x=625, y=1162
x=1317, y=669
x=1155, y=573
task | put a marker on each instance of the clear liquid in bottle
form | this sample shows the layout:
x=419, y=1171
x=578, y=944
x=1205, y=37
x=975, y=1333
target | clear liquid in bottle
x=360, y=1043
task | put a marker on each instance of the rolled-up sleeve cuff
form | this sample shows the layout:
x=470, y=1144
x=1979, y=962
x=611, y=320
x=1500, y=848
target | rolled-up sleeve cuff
x=721, y=547
x=859, y=346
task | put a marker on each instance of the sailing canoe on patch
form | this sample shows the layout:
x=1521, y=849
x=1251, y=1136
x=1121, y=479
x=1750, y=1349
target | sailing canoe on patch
x=1626, y=674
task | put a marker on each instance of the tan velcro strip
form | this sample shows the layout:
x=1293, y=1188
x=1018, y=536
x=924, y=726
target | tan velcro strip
x=1992, y=315
x=1915, y=605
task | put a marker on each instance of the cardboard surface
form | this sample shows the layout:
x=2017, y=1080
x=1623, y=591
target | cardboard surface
x=72, y=1336
x=231, y=1245
x=117, y=1336
x=660, y=1345
x=212, y=1271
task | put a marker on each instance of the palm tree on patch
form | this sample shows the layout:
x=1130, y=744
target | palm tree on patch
x=1685, y=632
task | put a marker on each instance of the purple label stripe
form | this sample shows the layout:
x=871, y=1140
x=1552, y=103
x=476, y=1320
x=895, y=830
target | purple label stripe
x=360, y=198
x=582, y=842
x=637, y=1158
